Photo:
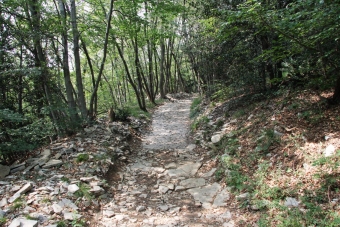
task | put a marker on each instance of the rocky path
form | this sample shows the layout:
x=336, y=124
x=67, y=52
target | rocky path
x=167, y=182
x=100, y=178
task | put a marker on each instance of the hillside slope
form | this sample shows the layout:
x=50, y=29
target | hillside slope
x=279, y=154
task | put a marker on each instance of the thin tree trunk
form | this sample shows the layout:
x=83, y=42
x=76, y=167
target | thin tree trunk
x=129, y=78
x=67, y=78
x=103, y=60
x=161, y=69
x=89, y=61
x=80, y=87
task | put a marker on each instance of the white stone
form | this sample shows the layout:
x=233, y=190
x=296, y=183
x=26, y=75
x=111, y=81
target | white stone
x=15, y=223
x=71, y=216
x=72, y=188
x=97, y=190
x=216, y=138
x=171, y=186
x=140, y=208
x=21, y=222
x=57, y=208
x=27, y=187
x=164, y=207
x=329, y=151
x=291, y=202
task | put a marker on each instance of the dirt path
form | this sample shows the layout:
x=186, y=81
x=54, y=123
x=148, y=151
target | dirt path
x=170, y=126
x=167, y=183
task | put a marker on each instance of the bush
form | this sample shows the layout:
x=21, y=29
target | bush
x=19, y=135
x=122, y=114
x=195, y=107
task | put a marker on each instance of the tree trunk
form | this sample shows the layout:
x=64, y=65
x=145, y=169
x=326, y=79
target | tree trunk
x=161, y=69
x=103, y=60
x=129, y=78
x=67, y=78
x=80, y=87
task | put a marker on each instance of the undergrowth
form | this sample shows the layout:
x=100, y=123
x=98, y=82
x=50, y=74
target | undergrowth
x=273, y=153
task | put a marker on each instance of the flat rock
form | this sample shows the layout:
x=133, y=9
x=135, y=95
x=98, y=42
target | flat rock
x=163, y=189
x=206, y=194
x=52, y=163
x=209, y=174
x=221, y=198
x=192, y=183
x=57, y=208
x=187, y=170
x=72, y=188
x=3, y=202
x=27, y=187
x=21, y=222
x=4, y=171
x=71, y=216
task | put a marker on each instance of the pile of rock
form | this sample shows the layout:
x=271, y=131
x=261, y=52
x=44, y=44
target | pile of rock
x=64, y=179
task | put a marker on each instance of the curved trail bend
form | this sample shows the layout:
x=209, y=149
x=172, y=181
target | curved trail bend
x=168, y=183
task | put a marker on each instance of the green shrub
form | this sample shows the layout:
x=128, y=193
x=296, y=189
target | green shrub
x=83, y=157
x=19, y=135
x=195, y=107
x=122, y=114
